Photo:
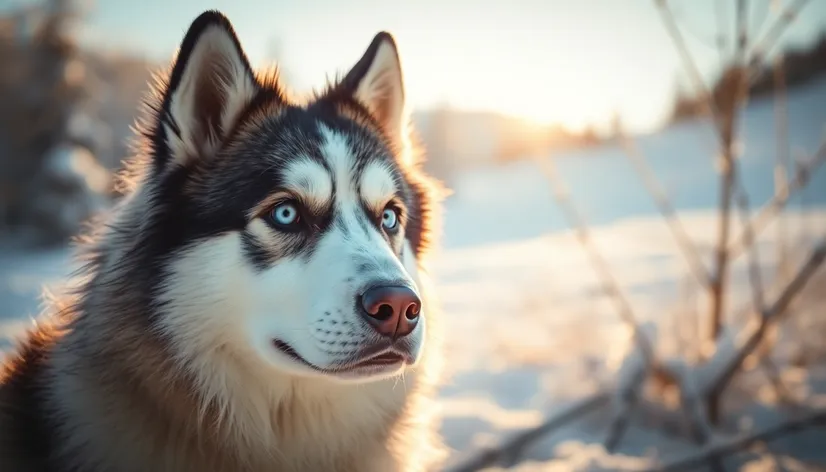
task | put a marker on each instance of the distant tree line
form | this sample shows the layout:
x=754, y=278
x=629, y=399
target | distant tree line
x=800, y=65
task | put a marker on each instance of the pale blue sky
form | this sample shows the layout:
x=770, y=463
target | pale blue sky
x=571, y=61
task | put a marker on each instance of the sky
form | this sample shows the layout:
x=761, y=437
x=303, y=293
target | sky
x=569, y=62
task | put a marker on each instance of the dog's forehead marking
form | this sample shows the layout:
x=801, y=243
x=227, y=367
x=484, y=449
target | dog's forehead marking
x=336, y=151
x=377, y=183
x=311, y=180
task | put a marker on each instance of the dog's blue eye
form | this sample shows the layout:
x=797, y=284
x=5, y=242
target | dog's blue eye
x=389, y=219
x=285, y=214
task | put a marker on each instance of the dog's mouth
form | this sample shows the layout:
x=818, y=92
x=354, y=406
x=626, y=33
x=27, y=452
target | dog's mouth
x=374, y=359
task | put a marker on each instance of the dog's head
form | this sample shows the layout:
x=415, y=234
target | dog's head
x=285, y=233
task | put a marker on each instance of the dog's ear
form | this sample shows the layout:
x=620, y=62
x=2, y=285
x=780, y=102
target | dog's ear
x=210, y=84
x=376, y=82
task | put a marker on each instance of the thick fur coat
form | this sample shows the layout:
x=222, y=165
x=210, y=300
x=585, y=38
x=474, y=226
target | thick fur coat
x=216, y=325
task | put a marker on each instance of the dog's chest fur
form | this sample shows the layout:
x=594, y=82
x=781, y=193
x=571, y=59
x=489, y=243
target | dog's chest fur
x=61, y=413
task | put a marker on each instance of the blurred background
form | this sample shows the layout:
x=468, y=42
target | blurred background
x=630, y=263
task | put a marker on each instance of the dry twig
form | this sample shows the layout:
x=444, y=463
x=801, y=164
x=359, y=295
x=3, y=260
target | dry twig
x=758, y=301
x=770, y=39
x=630, y=397
x=783, y=162
x=769, y=316
x=725, y=121
x=610, y=287
x=696, y=78
x=600, y=265
x=734, y=446
x=667, y=211
x=755, y=279
x=513, y=446
x=774, y=206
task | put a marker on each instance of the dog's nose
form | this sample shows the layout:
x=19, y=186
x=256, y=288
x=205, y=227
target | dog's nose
x=392, y=310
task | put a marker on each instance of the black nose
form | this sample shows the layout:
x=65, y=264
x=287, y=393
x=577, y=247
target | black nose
x=392, y=310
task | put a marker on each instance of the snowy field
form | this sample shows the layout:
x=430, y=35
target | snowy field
x=527, y=329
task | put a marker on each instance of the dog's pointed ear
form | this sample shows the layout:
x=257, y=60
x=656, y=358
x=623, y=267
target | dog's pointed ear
x=210, y=84
x=376, y=82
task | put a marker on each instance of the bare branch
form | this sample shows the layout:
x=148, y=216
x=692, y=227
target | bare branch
x=724, y=107
x=729, y=94
x=720, y=11
x=685, y=322
x=619, y=426
x=737, y=445
x=732, y=93
x=608, y=281
x=724, y=115
x=770, y=39
x=758, y=26
x=769, y=316
x=630, y=398
x=755, y=279
x=665, y=207
x=756, y=282
x=707, y=39
x=783, y=162
x=742, y=32
x=691, y=67
x=513, y=446
x=718, y=286
x=777, y=203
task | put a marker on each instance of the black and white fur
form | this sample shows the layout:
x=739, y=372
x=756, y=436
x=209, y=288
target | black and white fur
x=206, y=335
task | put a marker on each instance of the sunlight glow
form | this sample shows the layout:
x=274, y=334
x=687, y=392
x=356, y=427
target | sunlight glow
x=550, y=61
x=530, y=60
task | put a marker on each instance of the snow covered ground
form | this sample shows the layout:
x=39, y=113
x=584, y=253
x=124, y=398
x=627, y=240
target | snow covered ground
x=527, y=329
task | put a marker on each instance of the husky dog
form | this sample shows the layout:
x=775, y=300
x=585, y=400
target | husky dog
x=257, y=299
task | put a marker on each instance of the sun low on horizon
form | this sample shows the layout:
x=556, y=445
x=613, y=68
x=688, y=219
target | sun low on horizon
x=552, y=62
x=548, y=66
